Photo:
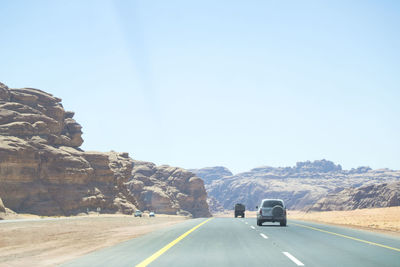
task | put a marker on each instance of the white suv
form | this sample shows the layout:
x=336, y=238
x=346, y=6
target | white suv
x=271, y=210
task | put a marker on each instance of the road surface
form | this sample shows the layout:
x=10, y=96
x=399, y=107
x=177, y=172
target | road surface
x=240, y=242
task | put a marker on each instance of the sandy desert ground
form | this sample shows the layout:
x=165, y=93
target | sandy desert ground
x=51, y=242
x=379, y=219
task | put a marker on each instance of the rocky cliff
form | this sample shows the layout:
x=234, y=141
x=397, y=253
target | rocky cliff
x=43, y=170
x=209, y=174
x=214, y=205
x=2, y=208
x=300, y=186
x=166, y=189
x=371, y=196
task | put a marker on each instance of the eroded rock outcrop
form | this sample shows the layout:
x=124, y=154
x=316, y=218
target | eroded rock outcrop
x=371, y=196
x=166, y=189
x=209, y=174
x=43, y=171
x=38, y=178
x=31, y=112
x=214, y=205
x=301, y=186
x=2, y=208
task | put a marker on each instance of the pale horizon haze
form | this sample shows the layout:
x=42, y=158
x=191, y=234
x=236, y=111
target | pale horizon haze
x=239, y=84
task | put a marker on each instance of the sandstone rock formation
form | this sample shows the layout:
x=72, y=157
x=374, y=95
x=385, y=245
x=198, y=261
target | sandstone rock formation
x=300, y=186
x=31, y=112
x=319, y=166
x=166, y=189
x=2, y=208
x=210, y=174
x=214, y=205
x=43, y=170
x=371, y=196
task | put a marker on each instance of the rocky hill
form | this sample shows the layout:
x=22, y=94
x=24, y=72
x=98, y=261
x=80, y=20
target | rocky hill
x=168, y=189
x=210, y=174
x=214, y=205
x=43, y=171
x=371, y=196
x=300, y=186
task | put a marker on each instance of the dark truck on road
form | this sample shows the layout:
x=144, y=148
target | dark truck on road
x=239, y=210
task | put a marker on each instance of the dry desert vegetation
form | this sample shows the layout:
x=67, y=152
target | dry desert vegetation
x=51, y=242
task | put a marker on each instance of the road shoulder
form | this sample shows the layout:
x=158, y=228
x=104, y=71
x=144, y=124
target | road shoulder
x=54, y=241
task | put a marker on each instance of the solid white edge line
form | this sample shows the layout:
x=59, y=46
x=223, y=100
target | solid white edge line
x=264, y=236
x=252, y=227
x=290, y=256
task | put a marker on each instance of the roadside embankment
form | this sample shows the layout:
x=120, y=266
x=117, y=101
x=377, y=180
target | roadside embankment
x=51, y=241
x=379, y=219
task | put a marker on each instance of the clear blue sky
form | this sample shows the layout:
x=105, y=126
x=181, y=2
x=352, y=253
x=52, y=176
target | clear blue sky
x=204, y=83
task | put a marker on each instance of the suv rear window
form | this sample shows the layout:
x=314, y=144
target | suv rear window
x=272, y=203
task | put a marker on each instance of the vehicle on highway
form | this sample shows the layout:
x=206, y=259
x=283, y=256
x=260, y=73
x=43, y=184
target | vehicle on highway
x=271, y=210
x=151, y=214
x=239, y=210
x=138, y=213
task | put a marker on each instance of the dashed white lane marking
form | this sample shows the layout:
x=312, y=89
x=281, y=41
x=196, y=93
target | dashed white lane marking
x=252, y=227
x=290, y=256
x=264, y=236
x=246, y=222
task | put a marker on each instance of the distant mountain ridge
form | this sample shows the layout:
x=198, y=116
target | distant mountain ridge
x=210, y=174
x=370, y=196
x=301, y=186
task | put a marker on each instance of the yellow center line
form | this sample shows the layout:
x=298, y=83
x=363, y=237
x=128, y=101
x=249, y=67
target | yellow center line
x=168, y=246
x=349, y=237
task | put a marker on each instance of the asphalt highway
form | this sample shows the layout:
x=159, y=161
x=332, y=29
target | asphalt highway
x=240, y=242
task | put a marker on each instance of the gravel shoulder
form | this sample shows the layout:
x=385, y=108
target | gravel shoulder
x=49, y=242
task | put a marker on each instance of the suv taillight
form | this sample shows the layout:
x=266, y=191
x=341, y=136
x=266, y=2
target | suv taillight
x=260, y=211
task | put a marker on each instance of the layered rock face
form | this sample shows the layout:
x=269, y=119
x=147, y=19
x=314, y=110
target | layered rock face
x=169, y=190
x=300, y=186
x=31, y=112
x=2, y=208
x=209, y=174
x=371, y=196
x=214, y=205
x=43, y=171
